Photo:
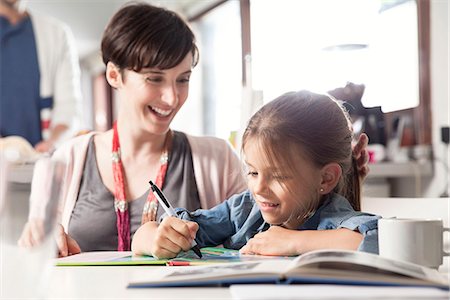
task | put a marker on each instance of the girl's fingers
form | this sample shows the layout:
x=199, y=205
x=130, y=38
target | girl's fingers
x=251, y=247
x=173, y=236
x=177, y=232
x=247, y=249
x=193, y=228
x=165, y=248
x=182, y=226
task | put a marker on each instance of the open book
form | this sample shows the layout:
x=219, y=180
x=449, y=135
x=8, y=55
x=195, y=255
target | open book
x=321, y=266
x=211, y=255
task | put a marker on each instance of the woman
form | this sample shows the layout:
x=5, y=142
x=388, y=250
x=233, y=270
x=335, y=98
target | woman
x=149, y=53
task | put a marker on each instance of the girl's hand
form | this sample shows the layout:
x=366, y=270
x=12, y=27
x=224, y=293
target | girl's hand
x=274, y=241
x=286, y=242
x=361, y=155
x=172, y=236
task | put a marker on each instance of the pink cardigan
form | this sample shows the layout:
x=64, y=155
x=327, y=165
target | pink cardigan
x=217, y=168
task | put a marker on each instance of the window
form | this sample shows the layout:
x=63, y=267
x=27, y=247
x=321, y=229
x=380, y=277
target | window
x=219, y=37
x=320, y=45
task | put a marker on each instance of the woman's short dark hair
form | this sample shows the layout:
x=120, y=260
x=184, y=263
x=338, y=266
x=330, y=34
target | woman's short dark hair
x=141, y=35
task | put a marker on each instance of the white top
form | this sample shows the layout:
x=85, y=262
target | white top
x=59, y=69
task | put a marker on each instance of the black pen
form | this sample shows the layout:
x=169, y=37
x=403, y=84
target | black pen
x=171, y=212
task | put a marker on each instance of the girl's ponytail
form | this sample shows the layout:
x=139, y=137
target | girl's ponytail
x=352, y=186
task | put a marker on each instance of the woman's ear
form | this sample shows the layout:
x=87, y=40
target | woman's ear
x=113, y=75
x=331, y=173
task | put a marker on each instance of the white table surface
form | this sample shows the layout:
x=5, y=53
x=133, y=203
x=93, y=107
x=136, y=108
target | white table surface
x=110, y=282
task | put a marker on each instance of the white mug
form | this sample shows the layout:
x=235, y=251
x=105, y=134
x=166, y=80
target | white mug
x=419, y=241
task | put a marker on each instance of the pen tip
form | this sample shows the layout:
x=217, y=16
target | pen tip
x=151, y=182
x=197, y=251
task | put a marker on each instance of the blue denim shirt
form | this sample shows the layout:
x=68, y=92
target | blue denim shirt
x=236, y=220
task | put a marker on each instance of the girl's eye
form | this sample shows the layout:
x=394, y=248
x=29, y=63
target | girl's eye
x=184, y=80
x=280, y=177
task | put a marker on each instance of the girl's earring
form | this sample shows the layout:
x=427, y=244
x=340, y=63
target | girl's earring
x=321, y=190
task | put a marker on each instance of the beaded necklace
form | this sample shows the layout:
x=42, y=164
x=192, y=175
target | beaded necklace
x=120, y=200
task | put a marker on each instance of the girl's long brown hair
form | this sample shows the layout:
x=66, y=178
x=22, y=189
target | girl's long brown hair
x=312, y=125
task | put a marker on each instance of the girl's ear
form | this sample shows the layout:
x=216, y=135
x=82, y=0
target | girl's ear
x=113, y=75
x=331, y=173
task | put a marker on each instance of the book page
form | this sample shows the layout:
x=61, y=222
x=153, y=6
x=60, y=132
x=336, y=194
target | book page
x=218, y=273
x=364, y=262
x=106, y=258
x=214, y=255
x=95, y=256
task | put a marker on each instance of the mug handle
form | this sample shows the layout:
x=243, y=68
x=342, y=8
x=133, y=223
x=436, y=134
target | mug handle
x=445, y=229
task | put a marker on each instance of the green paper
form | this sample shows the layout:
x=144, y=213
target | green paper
x=211, y=255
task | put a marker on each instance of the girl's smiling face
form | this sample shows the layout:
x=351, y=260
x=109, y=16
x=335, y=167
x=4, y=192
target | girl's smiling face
x=283, y=196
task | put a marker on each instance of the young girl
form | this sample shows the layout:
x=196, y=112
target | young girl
x=303, y=189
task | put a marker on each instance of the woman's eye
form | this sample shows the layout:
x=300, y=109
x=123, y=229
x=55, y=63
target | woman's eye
x=184, y=80
x=253, y=174
x=153, y=79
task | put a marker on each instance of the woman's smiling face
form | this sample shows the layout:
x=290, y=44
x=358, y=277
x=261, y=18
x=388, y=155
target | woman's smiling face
x=282, y=196
x=153, y=97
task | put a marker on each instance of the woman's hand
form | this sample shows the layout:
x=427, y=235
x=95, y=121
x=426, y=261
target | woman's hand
x=361, y=155
x=276, y=240
x=165, y=240
x=66, y=244
x=33, y=234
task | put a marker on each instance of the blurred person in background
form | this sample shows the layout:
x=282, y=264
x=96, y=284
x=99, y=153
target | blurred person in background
x=39, y=77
